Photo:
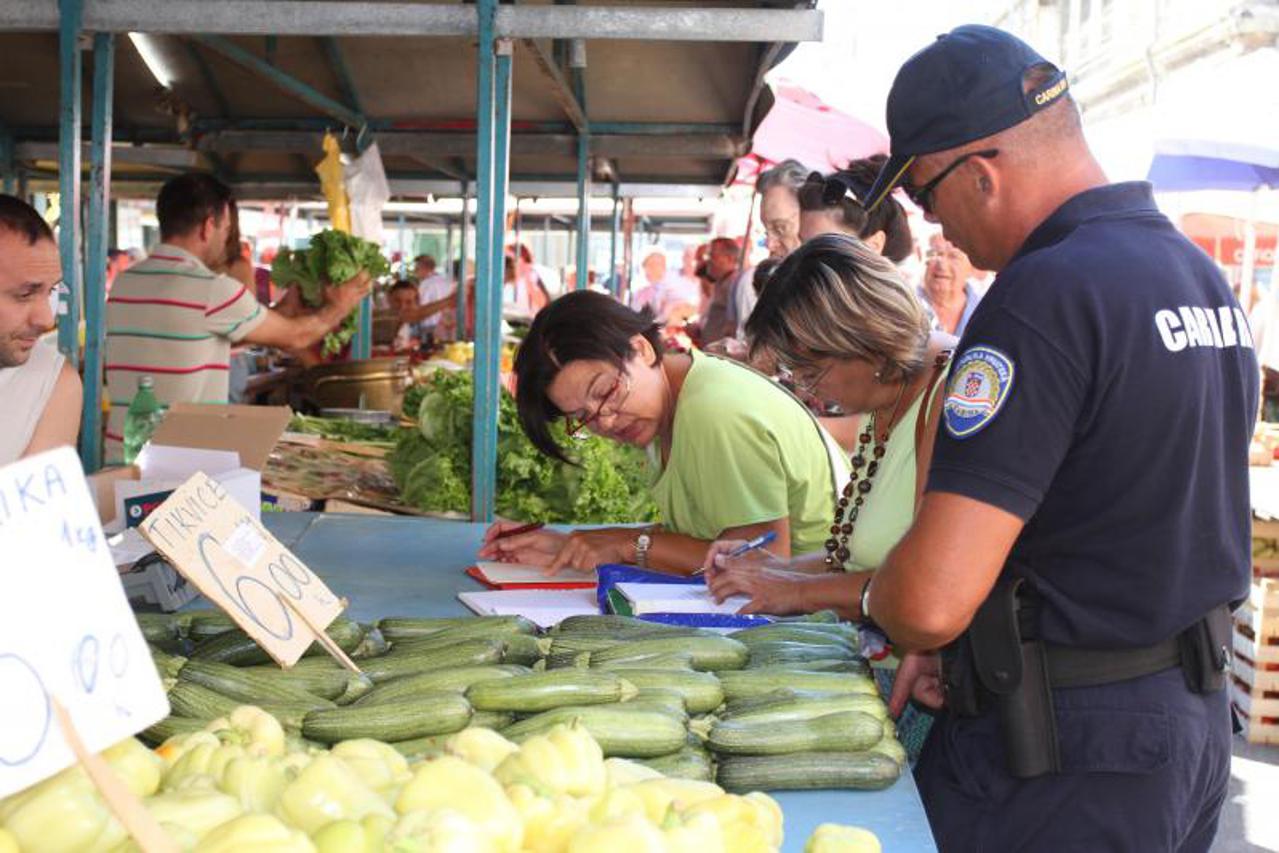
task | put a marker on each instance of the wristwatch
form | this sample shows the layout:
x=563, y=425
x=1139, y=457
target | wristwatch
x=642, y=543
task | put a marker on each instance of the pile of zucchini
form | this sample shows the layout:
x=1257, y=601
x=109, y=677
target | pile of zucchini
x=788, y=705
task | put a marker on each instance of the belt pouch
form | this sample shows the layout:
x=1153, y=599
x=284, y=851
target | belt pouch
x=1205, y=651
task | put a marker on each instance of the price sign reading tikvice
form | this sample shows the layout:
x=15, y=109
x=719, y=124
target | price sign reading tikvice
x=67, y=635
x=238, y=565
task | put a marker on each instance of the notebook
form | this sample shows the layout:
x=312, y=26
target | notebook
x=516, y=576
x=646, y=598
x=542, y=606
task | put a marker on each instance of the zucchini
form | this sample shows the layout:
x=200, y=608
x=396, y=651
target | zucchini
x=404, y=628
x=201, y=703
x=239, y=649
x=205, y=625
x=713, y=652
x=701, y=690
x=183, y=618
x=661, y=699
x=843, y=634
x=157, y=734
x=567, y=660
x=781, y=695
x=467, y=653
x=157, y=627
x=247, y=686
x=850, y=731
x=542, y=691
x=753, y=682
x=373, y=644
x=853, y=667
x=688, y=763
x=420, y=748
x=429, y=714
x=326, y=683
x=576, y=643
x=455, y=679
x=522, y=649
x=665, y=661
x=892, y=748
x=495, y=720
x=610, y=626
x=788, y=708
x=863, y=771
x=787, y=651
x=167, y=665
x=621, y=732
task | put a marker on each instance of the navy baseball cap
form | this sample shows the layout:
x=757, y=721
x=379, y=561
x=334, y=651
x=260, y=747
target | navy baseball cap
x=965, y=86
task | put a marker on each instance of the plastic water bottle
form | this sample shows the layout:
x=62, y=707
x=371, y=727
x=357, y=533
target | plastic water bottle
x=143, y=416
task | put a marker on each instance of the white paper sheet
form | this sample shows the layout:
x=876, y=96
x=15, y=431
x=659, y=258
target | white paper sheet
x=513, y=573
x=546, y=607
x=677, y=598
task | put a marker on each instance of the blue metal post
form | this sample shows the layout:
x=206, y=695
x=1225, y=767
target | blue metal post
x=71, y=12
x=8, y=174
x=488, y=285
x=462, y=254
x=615, y=277
x=362, y=346
x=583, y=210
x=96, y=240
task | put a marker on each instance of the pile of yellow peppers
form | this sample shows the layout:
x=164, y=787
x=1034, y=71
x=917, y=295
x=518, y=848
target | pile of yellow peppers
x=241, y=785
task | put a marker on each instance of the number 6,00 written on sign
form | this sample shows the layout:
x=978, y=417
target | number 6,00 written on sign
x=238, y=565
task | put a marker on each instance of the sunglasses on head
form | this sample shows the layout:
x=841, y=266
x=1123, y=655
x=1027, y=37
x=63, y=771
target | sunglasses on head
x=836, y=188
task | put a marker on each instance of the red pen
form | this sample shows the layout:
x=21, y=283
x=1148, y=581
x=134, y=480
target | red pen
x=517, y=531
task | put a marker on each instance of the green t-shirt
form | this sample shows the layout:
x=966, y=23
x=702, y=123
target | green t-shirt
x=745, y=451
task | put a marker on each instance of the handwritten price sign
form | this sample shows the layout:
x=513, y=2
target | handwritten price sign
x=66, y=631
x=242, y=568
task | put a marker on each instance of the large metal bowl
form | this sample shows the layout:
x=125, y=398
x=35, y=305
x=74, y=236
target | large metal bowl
x=375, y=383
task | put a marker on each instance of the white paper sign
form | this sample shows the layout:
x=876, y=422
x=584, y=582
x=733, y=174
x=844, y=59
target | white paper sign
x=239, y=566
x=66, y=630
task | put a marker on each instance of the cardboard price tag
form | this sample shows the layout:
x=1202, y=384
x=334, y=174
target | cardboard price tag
x=239, y=566
x=67, y=635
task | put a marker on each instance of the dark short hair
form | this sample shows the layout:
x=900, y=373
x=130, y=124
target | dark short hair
x=723, y=244
x=888, y=216
x=187, y=200
x=428, y=260
x=579, y=326
x=403, y=284
x=763, y=272
x=22, y=219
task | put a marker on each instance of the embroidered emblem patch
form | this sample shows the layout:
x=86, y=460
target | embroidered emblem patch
x=979, y=384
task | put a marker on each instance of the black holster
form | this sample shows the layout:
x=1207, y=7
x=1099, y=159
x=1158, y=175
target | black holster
x=991, y=665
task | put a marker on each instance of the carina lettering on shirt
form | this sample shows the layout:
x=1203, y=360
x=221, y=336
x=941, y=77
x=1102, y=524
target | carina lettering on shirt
x=1193, y=326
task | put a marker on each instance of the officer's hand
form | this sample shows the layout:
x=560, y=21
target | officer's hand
x=918, y=678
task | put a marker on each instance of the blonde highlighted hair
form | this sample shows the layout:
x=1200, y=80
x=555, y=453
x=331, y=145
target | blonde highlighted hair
x=836, y=298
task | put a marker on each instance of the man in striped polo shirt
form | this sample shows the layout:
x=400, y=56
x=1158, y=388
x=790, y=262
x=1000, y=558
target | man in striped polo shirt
x=174, y=319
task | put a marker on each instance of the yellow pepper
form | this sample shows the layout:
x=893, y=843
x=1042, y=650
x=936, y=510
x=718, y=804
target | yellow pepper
x=8, y=844
x=138, y=767
x=565, y=760
x=377, y=764
x=630, y=834
x=622, y=771
x=617, y=803
x=179, y=745
x=367, y=835
x=549, y=822
x=448, y=782
x=256, y=782
x=259, y=733
x=327, y=790
x=196, y=810
x=836, y=838
x=659, y=795
x=64, y=812
x=695, y=833
x=259, y=833
x=484, y=748
x=747, y=823
x=207, y=757
x=437, y=831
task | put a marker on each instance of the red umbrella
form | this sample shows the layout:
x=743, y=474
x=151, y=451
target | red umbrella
x=802, y=127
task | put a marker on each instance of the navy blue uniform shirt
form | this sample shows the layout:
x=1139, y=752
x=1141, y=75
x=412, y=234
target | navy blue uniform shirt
x=1105, y=392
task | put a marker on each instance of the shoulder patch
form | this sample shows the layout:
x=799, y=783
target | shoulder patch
x=979, y=384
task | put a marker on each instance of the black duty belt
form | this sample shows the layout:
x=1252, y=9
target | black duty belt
x=1069, y=666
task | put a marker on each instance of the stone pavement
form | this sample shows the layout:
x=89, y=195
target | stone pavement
x=1250, y=819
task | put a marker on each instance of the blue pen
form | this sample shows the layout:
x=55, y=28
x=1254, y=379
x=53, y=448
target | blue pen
x=745, y=548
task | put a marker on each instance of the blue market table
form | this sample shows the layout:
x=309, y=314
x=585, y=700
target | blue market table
x=400, y=566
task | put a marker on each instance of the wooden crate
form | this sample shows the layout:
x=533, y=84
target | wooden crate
x=1265, y=547
x=1255, y=667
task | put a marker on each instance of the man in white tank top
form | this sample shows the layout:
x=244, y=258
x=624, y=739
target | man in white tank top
x=40, y=394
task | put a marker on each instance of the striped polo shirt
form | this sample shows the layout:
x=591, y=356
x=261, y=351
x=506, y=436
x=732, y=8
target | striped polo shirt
x=173, y=319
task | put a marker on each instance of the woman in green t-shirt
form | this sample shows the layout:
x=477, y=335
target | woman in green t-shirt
x=842, y=321
x=734, y=454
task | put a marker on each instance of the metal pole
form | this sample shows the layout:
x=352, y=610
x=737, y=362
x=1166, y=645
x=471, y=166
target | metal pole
x=461, y=272
x=97, y=237
x=8, y=173
x=519, y=224
x=69, y=178
x=446, y=263
x=583, y=210
x=616, y=283
x=488, y=286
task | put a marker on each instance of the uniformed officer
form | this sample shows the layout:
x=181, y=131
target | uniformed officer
x=1086, y=524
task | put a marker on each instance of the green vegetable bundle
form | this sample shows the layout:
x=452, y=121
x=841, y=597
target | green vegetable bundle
x=332, y=258
x=432, y=466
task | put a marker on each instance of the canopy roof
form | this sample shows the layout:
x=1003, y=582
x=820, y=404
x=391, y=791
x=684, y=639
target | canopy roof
x=661, y=113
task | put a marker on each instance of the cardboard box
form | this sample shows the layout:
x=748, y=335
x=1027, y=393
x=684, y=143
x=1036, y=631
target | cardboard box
x=230, y=443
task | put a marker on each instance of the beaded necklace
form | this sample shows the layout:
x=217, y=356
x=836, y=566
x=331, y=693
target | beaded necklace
x=859, y=486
